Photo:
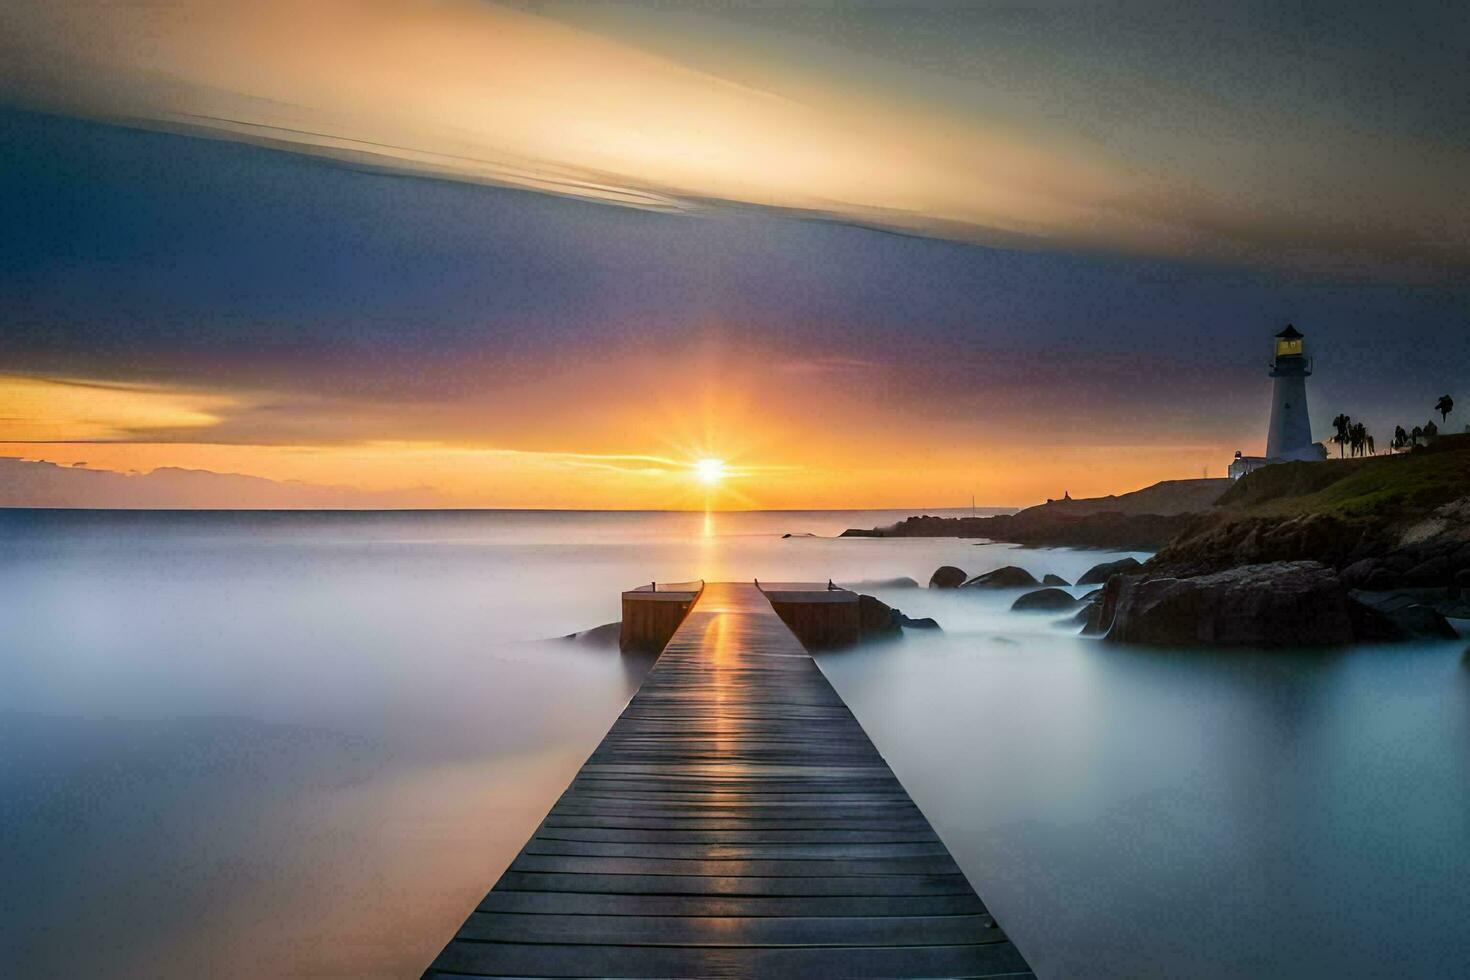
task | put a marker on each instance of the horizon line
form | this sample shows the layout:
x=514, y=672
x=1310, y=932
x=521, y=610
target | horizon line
x=518, y=510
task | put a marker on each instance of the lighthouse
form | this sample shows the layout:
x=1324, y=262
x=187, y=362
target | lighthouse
x=1290, y=430
x=1289, y=434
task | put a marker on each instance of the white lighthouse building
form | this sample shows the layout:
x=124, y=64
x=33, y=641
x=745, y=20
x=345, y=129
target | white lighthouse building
x=1289, y=433
x=1290, y=429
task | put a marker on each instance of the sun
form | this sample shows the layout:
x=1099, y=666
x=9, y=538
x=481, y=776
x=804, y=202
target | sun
x=709, y=471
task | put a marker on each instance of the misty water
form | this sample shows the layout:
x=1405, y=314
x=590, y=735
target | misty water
x=283, y=744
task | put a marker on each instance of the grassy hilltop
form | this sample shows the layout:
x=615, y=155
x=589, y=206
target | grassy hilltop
x=1339, y=512
x=1329, y=511
x=1369, y=488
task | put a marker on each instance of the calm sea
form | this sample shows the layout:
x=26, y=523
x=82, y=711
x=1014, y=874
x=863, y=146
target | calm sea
x=249, y=745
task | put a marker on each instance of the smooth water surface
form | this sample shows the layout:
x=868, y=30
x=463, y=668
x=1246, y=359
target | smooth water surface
x=1132, y=812
x=245, y=745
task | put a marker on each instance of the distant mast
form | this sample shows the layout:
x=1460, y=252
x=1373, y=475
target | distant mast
x=1290, y=430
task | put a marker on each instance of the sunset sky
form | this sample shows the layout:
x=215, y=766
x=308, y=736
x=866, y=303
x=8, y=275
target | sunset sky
x=551, y=255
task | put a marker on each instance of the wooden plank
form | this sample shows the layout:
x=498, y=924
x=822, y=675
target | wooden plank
x=739, y=820
x=747, y=801
x=784, y=816
x=834, y=868
x=879, y=885
x=825, y=850
x=735, y=837
x=683, y=930
x=735, y=821
x=746, y=798
x=594, y=903
x=822, y=822
x=818, y=963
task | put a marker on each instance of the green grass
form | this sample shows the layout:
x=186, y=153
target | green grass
x=1378, y=486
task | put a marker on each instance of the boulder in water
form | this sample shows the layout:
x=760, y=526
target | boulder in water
x=902, y=582
x=1044, y=600
x=1410, y=613
x=948, y=577
x=1280, y=604
x=599, y=636
x=1099, y=574
x=1089, y=616
x=1422, y=623
x=1009, y=577
x=875, y=617
x=1051, y=579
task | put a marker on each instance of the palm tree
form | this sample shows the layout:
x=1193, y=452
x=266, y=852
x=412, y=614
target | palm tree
x=1431, y=431
x=1400, y=438
x=1444, y=407
x=1415, y=434
x=1371, y=450
x=1357, y=437
x=1343, y=425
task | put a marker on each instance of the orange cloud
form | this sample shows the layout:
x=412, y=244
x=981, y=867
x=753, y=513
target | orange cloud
x=52, y=410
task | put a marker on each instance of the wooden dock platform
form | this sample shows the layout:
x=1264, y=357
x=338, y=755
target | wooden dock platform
x=735, y=821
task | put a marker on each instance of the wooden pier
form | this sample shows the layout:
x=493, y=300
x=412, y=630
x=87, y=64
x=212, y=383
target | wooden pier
x=735, y=821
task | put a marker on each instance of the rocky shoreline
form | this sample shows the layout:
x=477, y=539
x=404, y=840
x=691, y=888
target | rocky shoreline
x=1279, y=604
x=1273, y=604
x=1296, y=554
x=1110, y=531
x=1144, y=520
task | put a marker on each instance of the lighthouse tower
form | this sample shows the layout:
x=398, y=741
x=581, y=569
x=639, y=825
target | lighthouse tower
x=1290, y=432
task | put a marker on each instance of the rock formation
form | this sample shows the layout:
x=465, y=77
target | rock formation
x=948, y=577
x=1099, y=574
x=1275, y=605
x=902, y=582
x=1008, y=577
x=875, y=617
x=1044, y=600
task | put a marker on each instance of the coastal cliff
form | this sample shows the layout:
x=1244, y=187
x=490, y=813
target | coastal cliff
x=1387, y=515
x=1366, y=549
x=1405, y=518
x=1295, y=553
x=1144, y=520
